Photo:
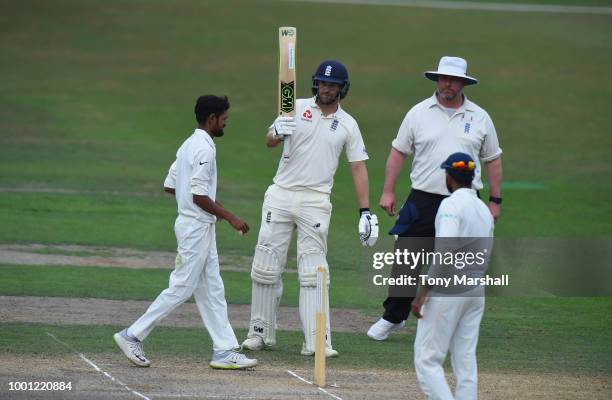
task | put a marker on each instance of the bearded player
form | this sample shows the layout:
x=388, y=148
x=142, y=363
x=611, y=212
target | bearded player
x=193, y=180
x=299, y=199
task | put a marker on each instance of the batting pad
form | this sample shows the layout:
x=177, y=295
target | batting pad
x=310, y=297
x=266, y=268
x=308, y=262
x=266, y=293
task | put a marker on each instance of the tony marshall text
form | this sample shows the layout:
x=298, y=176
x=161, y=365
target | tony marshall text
x=457, y=280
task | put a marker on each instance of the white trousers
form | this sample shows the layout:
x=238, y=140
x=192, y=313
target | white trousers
x=285, y=210
x=196, y=273
x=448, y=323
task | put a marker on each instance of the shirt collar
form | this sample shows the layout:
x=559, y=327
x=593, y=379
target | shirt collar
x=466, y=106
x=467, y=191
x=207, y=137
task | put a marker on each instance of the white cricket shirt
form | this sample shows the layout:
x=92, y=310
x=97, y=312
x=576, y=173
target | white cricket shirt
x=430, y=135
x=463, y=214
x=194, y=172
x=316, y=145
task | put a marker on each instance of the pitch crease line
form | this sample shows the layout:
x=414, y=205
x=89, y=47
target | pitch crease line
x=310, y=383
x=94, y=366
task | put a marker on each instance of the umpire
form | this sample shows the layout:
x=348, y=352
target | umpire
x=445, y=123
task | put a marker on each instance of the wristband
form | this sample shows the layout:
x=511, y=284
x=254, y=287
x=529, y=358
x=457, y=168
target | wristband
x=363, y=210
x=496, y=200
x=276, y=136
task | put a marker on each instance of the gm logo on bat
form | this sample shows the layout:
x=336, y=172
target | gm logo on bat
x=287, y=96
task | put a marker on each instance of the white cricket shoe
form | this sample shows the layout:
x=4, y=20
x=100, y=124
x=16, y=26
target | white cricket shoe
x=254, y=343
x=132, y=348
x=329, y=352
x=382, y=328
x=231, y=360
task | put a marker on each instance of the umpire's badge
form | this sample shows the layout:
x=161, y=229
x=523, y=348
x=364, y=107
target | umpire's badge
x=334, y=125
x=467, y=128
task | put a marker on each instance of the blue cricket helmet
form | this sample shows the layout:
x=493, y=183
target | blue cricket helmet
x=331, y=71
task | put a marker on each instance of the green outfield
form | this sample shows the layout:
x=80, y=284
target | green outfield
x=517, y=333
x=511, y=340
x=98, y=95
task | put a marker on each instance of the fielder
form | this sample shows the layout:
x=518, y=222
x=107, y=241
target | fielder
x=452, y=322
x=300, y=198
x=193, y=180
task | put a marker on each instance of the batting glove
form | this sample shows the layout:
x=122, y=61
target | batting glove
x=368, y=228
x=283, y=127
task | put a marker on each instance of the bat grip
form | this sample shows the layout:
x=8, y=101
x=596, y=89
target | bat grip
x=286, y=148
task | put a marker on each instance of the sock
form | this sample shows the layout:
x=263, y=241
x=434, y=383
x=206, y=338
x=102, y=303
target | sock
x=129, y=335
x=219, y=354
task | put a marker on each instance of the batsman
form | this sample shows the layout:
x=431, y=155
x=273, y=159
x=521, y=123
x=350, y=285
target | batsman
x=299, y=199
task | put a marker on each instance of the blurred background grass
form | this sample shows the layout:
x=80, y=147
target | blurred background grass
x=97, y=96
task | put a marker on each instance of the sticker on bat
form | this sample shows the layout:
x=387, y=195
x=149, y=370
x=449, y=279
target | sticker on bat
x=291, y=56
x=287, y=96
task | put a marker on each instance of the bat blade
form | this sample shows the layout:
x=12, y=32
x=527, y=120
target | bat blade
x=287, y=40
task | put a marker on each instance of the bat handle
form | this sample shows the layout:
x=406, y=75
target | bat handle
x=286, y=148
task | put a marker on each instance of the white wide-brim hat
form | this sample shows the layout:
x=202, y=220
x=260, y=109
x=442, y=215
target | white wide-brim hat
x=452, y=66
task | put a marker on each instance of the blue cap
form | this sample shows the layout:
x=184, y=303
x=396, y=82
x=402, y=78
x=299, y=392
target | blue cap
x=460, y=166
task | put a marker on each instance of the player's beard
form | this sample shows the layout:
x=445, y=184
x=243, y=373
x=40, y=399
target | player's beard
x=328, y=100
x=218, y=132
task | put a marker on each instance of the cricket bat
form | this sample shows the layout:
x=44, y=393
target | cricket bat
x=287, y=38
